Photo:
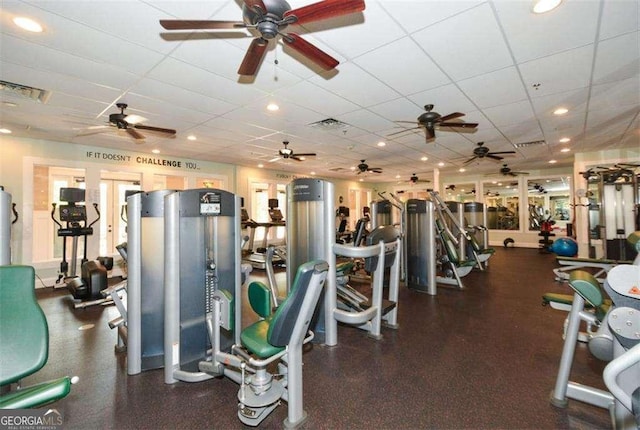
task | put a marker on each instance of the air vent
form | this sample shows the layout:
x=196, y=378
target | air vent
x=25, y=92
x=528, y=144
x=338, y=169
x=330, y=124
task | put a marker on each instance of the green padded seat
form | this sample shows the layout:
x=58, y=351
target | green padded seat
x=563, y=299
x=260, y=299
x=254, y=338
x=24, y=341
x=344, y=267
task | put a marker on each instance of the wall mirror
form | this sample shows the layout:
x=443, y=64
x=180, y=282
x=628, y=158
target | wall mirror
x=502, y=204
x=549, y=199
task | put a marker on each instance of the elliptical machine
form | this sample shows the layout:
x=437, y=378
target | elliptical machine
x=93, y=277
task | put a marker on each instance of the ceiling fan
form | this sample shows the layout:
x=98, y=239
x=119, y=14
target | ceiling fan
x=429, y=120
x=506, y=171
x=286, y=153
x=270, y=18
x=130, y=124
x=414, y=179
x=481, y=151
x=364, y=168
x=538, y=188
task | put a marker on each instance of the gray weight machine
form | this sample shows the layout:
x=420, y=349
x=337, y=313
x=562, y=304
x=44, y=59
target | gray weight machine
x=382, y=214
x=616, y=338
x=145, y=281
x=202, y=319
x=614, y=212
x=455, y=217
x=311, y=235
x=5, y=226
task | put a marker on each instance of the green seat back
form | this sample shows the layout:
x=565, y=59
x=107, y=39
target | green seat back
x=585, y=284
x=24, y=334
x=260, y=299
x=450, y=247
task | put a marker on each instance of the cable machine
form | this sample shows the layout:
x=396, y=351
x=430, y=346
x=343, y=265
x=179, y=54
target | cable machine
x=614, y=212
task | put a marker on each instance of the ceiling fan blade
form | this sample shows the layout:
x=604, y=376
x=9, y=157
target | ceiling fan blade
x=156, y=129
x=470, y=160
x=403, y=131
x=405, y=122
x=325, y=9
x=494, y=157
x=374, y=169
x=308, y=154
x=451, y=116
x=133, y=133
x=274, y=159
x=502, y=152
x=519, y=173
x=194, y=24
x=459, y=124
x=253, y=58
x=310, y=51
x=253, y=4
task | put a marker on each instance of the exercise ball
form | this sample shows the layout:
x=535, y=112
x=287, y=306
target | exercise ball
x=564, y=247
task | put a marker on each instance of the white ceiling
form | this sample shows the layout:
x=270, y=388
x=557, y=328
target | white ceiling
x=503, y=66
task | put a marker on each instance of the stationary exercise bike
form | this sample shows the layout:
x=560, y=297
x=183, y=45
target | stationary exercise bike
x=93, y=277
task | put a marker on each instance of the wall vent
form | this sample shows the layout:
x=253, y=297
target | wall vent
x=528, y=144
x=330, y=124
x=25, y=91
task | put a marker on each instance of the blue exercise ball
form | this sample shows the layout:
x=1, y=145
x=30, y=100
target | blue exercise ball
x=564, y=247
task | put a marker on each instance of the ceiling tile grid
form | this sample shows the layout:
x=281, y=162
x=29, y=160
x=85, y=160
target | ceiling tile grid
x=491, y=60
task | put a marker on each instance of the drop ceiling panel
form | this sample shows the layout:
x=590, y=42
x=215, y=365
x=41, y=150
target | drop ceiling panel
x=617, y=58
x=317, y=99
x=204, y=82
x=20, y=52
x=509, y=114
x=419, y=71
x=417, y=15
x=496, y=88
x=129, y=27
x=351, y=84
x=574, y=100
x=475, y=38
x=532, y=36
x=613, y=95
x=365, y=120
x=619, y=17
x=560, y=72
x=362, y=32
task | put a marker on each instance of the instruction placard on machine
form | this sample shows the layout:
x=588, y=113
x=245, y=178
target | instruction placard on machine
x=210, y=203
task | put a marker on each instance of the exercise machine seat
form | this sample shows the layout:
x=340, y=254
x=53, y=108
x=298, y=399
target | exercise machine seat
x=24, y=341
x=271, y=335
x=587, y=286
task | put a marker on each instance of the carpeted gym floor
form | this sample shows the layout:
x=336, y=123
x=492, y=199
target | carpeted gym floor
x=482, y=358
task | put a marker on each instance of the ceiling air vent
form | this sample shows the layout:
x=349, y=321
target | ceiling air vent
x=528, y=144
x=330, y=124
x=24, y=91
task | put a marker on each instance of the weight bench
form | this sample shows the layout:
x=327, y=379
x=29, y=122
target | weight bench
x=24, y=342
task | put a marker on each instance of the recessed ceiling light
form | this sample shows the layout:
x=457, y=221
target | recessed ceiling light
x=352, y=167
x=462, y=170
x=564, y=140
x=441, y=164
x=313, y=173
x=361, y=180
x=5, y=131
x=560, y=111
x=273, y=107
x=397, y=176
x=155, y=151
x=261, y=165
x=494, y=182
x=27, y=24
x=499, y=184
x=553, y=161
x=191, y=137
x=542, y=6
x=381, y=144
x=424, y=158
x=565, y=150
